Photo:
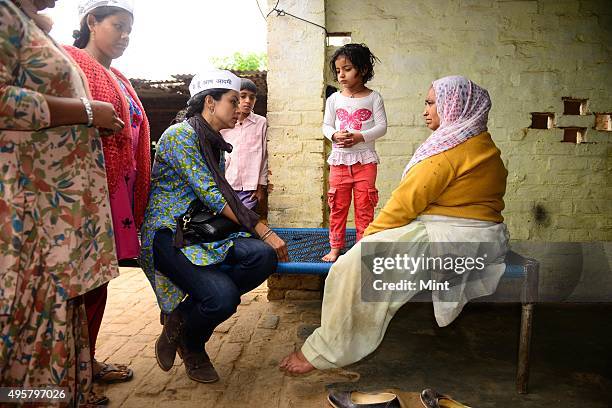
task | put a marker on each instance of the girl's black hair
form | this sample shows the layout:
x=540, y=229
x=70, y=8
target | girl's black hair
x=195, y=104
x=360, y=56
x=81, y=36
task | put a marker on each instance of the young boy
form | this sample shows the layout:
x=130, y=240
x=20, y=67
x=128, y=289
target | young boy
x=246, y=167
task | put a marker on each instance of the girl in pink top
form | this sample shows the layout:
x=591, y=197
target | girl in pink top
x=354, y=118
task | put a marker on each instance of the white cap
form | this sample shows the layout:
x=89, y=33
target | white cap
x=86, y=6
x=214, y=79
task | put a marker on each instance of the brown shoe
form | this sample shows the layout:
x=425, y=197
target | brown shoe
x=168, y=340
x=198, y=366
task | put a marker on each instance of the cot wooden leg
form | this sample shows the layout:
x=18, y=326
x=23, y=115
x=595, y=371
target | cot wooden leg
x=522, y=376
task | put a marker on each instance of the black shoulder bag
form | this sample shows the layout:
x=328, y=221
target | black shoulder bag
x=198, y=225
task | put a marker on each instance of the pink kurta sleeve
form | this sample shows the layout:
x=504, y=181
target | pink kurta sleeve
x=263, y=175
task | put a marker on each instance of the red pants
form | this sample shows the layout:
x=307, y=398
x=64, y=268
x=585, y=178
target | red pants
x=360, y=179
x=95, y=303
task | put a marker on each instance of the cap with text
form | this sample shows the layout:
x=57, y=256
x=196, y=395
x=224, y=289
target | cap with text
x=214, y=79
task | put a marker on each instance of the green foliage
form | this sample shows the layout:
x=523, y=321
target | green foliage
x=252, y=61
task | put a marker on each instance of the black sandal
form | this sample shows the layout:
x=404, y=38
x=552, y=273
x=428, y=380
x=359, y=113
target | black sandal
x=433, y=399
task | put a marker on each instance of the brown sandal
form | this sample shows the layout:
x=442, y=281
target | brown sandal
x=96, y=399
x=113, y=373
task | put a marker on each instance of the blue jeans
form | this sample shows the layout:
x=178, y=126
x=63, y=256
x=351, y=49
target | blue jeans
x=214, y=290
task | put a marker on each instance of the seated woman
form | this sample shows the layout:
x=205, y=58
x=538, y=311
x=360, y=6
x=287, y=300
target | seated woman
x=187, y=167
x=451, y=191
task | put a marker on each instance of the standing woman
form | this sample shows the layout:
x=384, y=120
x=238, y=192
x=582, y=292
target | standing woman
x=103, y=37
x=55, y=225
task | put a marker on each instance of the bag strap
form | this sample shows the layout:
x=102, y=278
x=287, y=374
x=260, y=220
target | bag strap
x=194, y=207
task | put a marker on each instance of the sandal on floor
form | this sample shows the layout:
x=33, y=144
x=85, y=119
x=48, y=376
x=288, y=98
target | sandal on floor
x=95, y=399
x=113, y=373
x=433, y=399
x=356, y=399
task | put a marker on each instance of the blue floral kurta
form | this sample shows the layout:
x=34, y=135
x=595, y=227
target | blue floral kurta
x=179, y=176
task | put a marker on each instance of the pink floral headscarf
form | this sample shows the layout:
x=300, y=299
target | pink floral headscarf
x=463, y=108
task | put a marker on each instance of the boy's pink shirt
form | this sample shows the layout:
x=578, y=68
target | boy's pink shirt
x=247, y=165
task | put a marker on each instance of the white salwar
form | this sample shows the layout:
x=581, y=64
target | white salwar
x=352, y=328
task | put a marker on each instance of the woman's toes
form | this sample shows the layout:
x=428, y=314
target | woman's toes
x=283, y=363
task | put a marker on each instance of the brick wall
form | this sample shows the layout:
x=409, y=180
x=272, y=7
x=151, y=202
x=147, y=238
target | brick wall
x=528, y=54
x=296, y=53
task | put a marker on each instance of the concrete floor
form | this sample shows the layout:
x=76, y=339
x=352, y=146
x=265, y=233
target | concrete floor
x=474, y=359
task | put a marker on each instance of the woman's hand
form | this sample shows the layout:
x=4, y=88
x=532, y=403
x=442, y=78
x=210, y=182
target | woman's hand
x=72, y=111
x=278, y=245
x=105, y=117
x=269, y=237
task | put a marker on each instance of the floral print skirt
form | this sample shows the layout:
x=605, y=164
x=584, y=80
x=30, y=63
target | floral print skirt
x=56, y=243
x=51, y=341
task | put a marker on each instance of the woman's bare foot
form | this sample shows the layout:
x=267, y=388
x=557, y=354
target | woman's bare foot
x=331, y=255
x=296, y=363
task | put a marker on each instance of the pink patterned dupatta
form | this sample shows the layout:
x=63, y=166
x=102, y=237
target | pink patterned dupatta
x=463, y=108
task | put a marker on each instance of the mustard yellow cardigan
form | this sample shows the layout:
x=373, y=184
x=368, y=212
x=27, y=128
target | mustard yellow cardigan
x=467, y=181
